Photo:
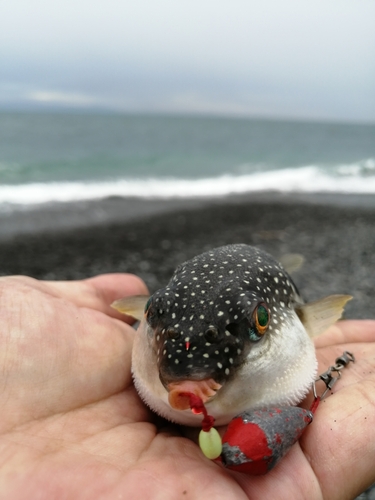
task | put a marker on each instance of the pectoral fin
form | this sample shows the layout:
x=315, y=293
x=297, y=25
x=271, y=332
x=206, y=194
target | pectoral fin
x=132, y=306
x=292, y=262
x=319, y=315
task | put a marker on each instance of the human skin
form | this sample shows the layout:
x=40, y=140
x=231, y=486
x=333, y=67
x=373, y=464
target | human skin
x=73, y=427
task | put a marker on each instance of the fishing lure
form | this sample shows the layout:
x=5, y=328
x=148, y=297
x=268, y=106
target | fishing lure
x=255, y=441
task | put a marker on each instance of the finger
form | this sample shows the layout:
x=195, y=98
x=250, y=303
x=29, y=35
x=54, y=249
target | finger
x=95, y=293
x=354, y=373
x=340, y=443
x=111, y=287
x=56, y=356
x=347, y=331
x=99, y=292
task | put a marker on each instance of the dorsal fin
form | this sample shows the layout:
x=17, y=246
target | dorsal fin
x=132, y=306
x=319, y=315
x=291, y=262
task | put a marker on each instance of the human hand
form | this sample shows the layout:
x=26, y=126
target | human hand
x=73, y=426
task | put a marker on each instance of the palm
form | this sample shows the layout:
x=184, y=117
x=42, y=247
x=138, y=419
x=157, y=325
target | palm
x=73, y=426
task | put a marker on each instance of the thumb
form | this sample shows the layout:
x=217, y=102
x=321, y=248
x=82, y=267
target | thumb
x=100, y=291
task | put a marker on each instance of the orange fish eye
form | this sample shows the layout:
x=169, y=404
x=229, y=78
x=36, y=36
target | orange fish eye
x=261, y=317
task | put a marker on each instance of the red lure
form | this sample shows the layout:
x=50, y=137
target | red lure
x=256, y=440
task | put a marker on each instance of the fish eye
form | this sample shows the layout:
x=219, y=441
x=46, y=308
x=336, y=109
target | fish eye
x=261, y=320
x=152, y=313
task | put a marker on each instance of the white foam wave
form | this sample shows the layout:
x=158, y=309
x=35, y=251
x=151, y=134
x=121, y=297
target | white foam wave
x=303, y=179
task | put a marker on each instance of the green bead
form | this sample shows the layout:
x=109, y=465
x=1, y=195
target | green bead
x=210, y=443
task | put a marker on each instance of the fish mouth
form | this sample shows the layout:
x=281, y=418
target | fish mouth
x=180, y=392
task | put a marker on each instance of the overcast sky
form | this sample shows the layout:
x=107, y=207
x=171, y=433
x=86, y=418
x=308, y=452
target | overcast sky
x=269, y=58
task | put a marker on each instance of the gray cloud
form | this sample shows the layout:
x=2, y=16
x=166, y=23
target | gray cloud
x=283, y=59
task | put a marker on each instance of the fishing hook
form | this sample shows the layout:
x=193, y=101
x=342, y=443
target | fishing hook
x=333, y=374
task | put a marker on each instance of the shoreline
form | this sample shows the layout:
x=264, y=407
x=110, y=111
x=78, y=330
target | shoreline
x=64, y=217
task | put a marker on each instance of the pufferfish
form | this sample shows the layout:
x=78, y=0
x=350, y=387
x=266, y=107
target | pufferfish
x=231, y=328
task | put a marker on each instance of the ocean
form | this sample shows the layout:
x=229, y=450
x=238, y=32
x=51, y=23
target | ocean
x=50, y=158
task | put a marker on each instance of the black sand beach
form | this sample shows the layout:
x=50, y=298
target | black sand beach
x=334, y=233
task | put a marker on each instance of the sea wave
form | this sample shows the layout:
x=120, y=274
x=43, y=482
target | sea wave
x=344, y=179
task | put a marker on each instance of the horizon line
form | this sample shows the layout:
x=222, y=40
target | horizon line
x=99, y=110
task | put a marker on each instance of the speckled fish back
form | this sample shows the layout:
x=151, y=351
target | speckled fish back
x=206, y=304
